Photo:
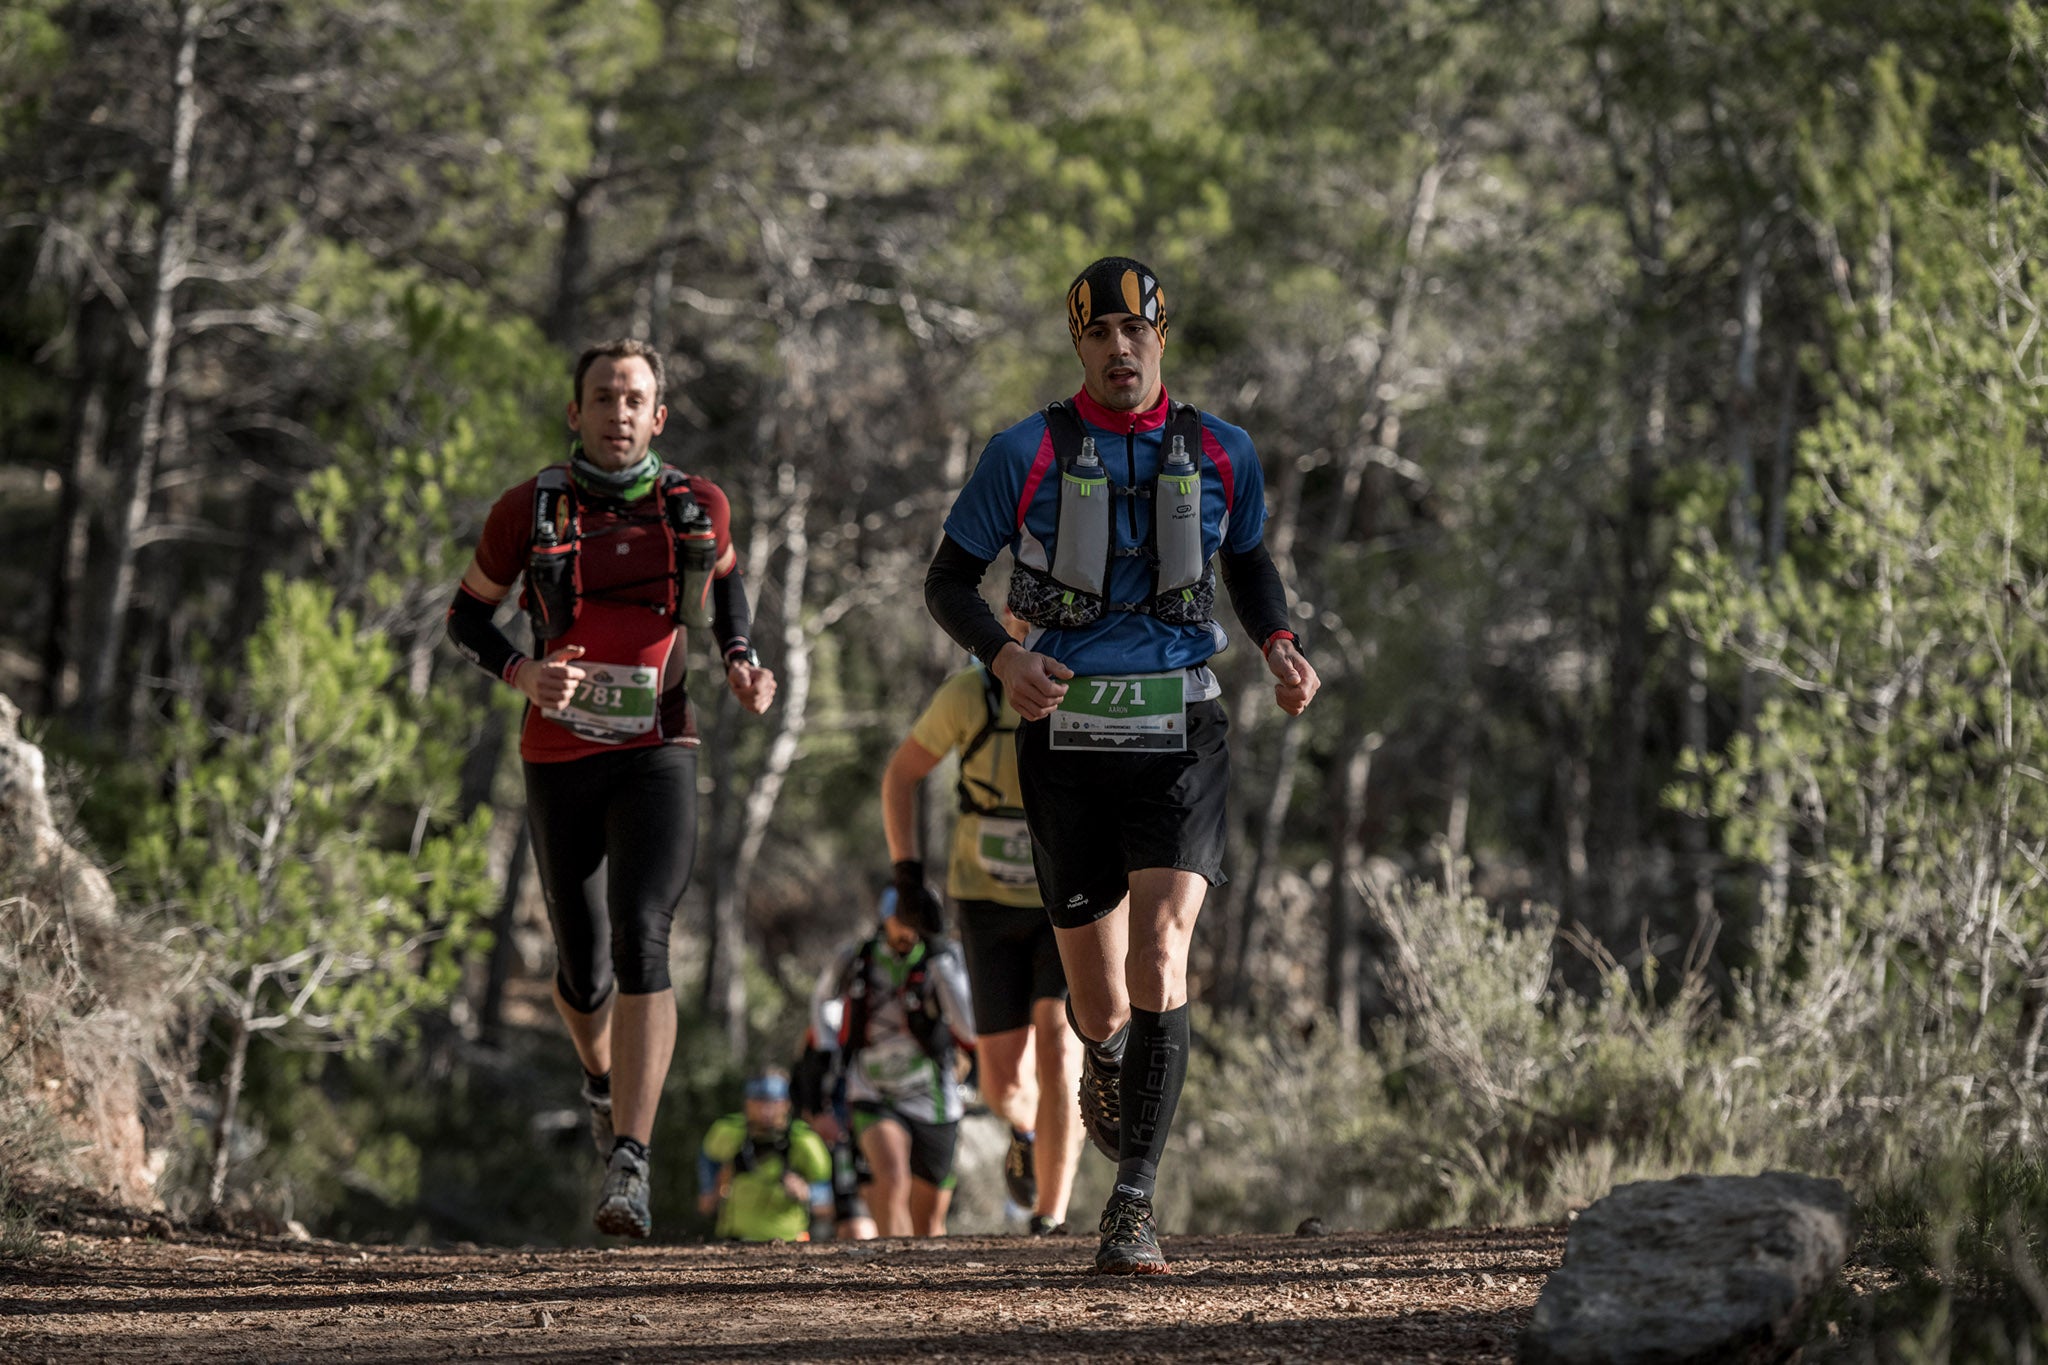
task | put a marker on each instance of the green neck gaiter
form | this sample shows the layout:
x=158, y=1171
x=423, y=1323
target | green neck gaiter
x=630, y=484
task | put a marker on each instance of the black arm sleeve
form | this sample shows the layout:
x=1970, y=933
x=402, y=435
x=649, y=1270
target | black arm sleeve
x=478, y=638
x=952, y=593
x=731, y=617
x=1256, y=593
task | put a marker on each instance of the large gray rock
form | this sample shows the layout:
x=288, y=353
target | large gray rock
x=1701, y=1268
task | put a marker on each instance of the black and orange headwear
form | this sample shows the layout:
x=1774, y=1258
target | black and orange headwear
x=1116, y=284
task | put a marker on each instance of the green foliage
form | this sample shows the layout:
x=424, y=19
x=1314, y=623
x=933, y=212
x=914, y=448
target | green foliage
x=1889, y=770
x=449, y=403
x=1965, y=1234
x=32, y=51
x=304, y=840
x=1276, y=1126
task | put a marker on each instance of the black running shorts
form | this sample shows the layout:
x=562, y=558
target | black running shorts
x=1012, y=961
x=932, y=1145
x=1096, y=818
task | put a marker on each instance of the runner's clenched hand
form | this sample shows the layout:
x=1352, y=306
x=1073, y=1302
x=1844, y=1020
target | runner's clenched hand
x=1298, y=683
x=1034, y=682
x=752, y=684
x=550, y=683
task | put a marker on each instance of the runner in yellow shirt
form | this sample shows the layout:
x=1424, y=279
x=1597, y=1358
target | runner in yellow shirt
x=1030, y=1062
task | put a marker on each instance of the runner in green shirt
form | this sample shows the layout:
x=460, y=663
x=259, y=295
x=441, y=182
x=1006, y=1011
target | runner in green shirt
x=764, y=1170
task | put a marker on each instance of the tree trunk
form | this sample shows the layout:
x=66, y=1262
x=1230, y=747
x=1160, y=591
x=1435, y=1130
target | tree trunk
x=87, y=426
x=1246, y=945
x=580, y=207
x=137, y=475
x=793, y=700
x=1344, y=962
x=722, y=936
x=1244, y=902
x=230, y=1105
x=1701, y=861
x=498, y=969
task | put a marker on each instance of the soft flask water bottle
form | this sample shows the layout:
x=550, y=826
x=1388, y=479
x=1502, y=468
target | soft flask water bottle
x=696, y=557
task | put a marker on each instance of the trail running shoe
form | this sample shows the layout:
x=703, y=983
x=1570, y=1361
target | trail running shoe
x=1101, y=1102
x=1020, y=1177
x=1042, y=1226
x=1130, y=1243
x=600, y=1120
x=622, y=1209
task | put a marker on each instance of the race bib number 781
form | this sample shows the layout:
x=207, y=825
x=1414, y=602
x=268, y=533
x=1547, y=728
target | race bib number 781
x=613, y=703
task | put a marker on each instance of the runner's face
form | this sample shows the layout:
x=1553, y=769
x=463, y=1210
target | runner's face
x=902, y=938
x=1120, y=355
x=618, y=416
x=765, y=1116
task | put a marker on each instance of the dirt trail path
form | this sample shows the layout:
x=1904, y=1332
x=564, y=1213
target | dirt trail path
x=1441, y=1296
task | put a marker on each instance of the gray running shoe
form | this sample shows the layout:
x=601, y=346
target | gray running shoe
x=1020, y=1175
x=1130, y=1242
x=622, y=1210
x=1102, y=1101
x=600, y=1120
x=1042, y=1226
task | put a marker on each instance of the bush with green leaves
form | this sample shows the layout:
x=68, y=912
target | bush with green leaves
x=1501, y=1094
x=305, y=843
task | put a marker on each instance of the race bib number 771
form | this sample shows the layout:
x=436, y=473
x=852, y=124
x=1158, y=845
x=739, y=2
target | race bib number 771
x=1145, y=711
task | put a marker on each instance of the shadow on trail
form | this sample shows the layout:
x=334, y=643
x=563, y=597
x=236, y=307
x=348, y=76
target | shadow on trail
x=1444, y=1337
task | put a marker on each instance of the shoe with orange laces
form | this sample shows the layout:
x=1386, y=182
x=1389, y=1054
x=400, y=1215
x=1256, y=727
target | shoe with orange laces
x=1130, y=1241
x=1020, y=1175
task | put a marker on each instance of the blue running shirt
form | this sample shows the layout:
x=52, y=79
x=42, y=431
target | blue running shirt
x=1011, y=501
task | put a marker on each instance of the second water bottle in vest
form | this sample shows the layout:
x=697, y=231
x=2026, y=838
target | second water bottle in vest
x=1177, y=520
x=696, y=558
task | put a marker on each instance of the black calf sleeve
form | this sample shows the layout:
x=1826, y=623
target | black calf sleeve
x=1155, y=1068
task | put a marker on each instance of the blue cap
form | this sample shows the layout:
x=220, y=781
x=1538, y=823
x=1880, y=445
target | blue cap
x=770, y=1087
x=885, y=908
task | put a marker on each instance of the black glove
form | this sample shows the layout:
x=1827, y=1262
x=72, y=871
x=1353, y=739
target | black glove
x=916, y=904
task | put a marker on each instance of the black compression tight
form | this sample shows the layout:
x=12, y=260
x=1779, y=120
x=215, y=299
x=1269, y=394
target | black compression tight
x=614, y=835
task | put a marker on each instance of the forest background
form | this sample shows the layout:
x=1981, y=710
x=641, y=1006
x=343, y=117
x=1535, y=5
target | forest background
x=1650, y=395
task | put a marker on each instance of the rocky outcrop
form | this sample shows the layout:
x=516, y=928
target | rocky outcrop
x=1697, y=1269
x=81, y=1000
x=82, y=889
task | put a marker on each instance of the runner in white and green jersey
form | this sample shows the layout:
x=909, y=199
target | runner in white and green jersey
x=906, y=1024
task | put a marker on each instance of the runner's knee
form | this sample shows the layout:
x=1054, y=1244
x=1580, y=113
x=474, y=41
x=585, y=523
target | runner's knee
x=641, y=969
x=584, y=991
x=1099, y=1017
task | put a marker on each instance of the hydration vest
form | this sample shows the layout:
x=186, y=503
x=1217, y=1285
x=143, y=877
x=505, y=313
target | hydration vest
x=554, y=579
x=992, y=696
x=920, y=997
x=1074, y=591
x=753, y=1151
